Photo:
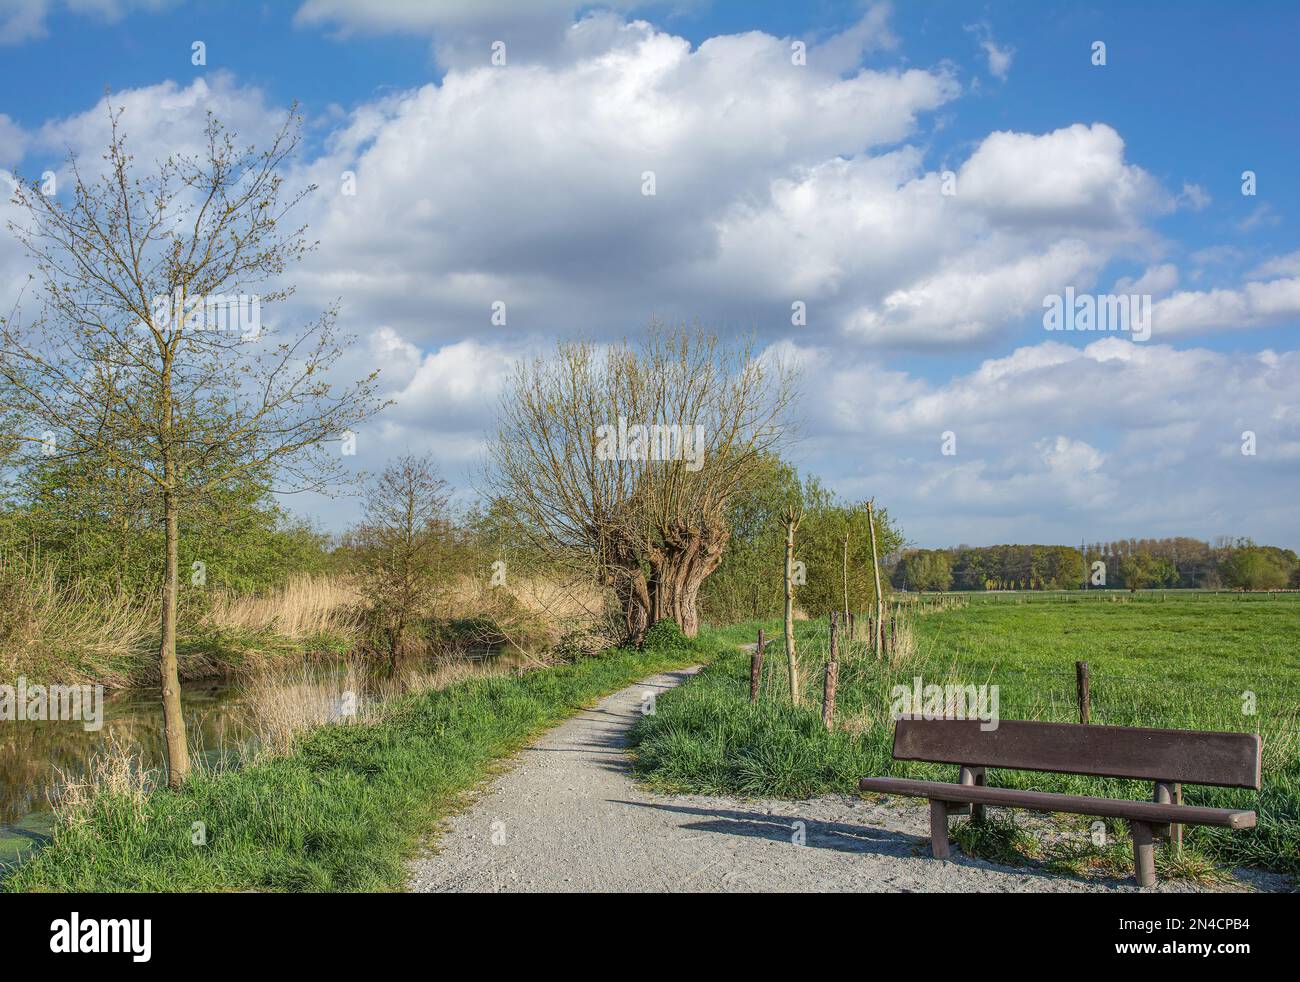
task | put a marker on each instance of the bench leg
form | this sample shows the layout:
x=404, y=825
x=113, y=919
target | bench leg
x=1144, y=854
x=939, y=829
x=1171, y=793
x=975, y=776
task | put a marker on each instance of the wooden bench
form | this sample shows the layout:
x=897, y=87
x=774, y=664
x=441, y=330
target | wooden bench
x=1169, y=758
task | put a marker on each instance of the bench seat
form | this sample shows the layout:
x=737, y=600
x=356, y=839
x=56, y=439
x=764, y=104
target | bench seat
x=1048, y=801
x=1167, y=758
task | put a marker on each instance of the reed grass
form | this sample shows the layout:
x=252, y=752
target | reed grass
x=305, y=607
x=71, y=632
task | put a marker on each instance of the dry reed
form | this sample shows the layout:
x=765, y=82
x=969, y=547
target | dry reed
x=41, y=621
x=304, y=607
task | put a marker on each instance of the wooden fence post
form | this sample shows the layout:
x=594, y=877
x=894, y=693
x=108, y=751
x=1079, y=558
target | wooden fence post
x=876, y=642
x=832, y=674
x=791, y=518
x=756, y=668
x=1084, y=691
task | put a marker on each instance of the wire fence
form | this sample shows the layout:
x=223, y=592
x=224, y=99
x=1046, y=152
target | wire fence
x=1097, y=594
x=1265, y=702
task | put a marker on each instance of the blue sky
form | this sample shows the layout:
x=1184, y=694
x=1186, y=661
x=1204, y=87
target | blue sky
x=925, y=315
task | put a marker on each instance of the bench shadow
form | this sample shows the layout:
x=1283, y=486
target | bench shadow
x=836, y=836
x=847, y=838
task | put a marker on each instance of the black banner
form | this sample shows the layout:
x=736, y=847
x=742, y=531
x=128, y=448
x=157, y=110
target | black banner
x=139, y=933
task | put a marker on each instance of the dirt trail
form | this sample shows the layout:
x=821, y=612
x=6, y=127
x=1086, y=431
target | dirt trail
x=570, y=817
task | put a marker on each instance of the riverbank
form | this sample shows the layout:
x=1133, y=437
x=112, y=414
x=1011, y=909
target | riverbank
x=346, y=806
x=72, y=636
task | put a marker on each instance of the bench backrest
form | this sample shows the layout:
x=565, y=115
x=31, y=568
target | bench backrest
x=1188, y=756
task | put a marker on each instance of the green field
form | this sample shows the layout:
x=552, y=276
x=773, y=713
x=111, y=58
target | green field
x=1188, y=660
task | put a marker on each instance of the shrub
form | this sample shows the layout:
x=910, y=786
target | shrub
x=665, y=635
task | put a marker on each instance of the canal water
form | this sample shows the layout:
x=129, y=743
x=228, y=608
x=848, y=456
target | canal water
x=38, y=757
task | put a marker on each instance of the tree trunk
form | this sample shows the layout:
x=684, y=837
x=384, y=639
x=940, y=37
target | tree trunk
x=637, y=620
x=677, y=582
x=633, y=592
x=654, y=587
x=677, y=571
x=791, y=656
x=178, y=756
x=705, y=560
x=396, y=642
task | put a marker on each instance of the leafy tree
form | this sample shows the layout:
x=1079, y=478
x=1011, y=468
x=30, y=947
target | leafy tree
x=98, y=527
x=149, y=357
x=1258, y=568
x=1141, y=570
x=747, y=584
x=829, y=518
x=925, y=569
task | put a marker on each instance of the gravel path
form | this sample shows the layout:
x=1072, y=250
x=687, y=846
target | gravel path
x=570, y=817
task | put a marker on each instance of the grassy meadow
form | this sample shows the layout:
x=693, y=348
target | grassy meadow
x=1177, y=659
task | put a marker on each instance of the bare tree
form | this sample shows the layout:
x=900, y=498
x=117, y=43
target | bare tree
x=401, y=546
x=149, y=355
x=622, y=460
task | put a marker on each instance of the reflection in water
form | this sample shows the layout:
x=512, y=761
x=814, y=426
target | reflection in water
x=37, y=757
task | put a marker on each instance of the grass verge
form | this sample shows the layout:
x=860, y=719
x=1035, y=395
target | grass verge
x=345, y=808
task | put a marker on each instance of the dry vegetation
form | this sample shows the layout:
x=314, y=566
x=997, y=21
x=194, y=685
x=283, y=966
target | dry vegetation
x=114, y=774
x=82, y=633
x=305, y=607
x=75, y=634
x=282, y=707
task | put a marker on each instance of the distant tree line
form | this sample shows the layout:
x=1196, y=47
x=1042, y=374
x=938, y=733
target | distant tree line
x=1133, y=564
x=1004, y=567
x=1183, y=562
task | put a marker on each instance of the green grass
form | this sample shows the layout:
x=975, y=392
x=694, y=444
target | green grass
x=998, y=839
x=1184, y=661
x=346, y=809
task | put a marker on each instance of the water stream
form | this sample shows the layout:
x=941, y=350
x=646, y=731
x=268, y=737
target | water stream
x=38, y=757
